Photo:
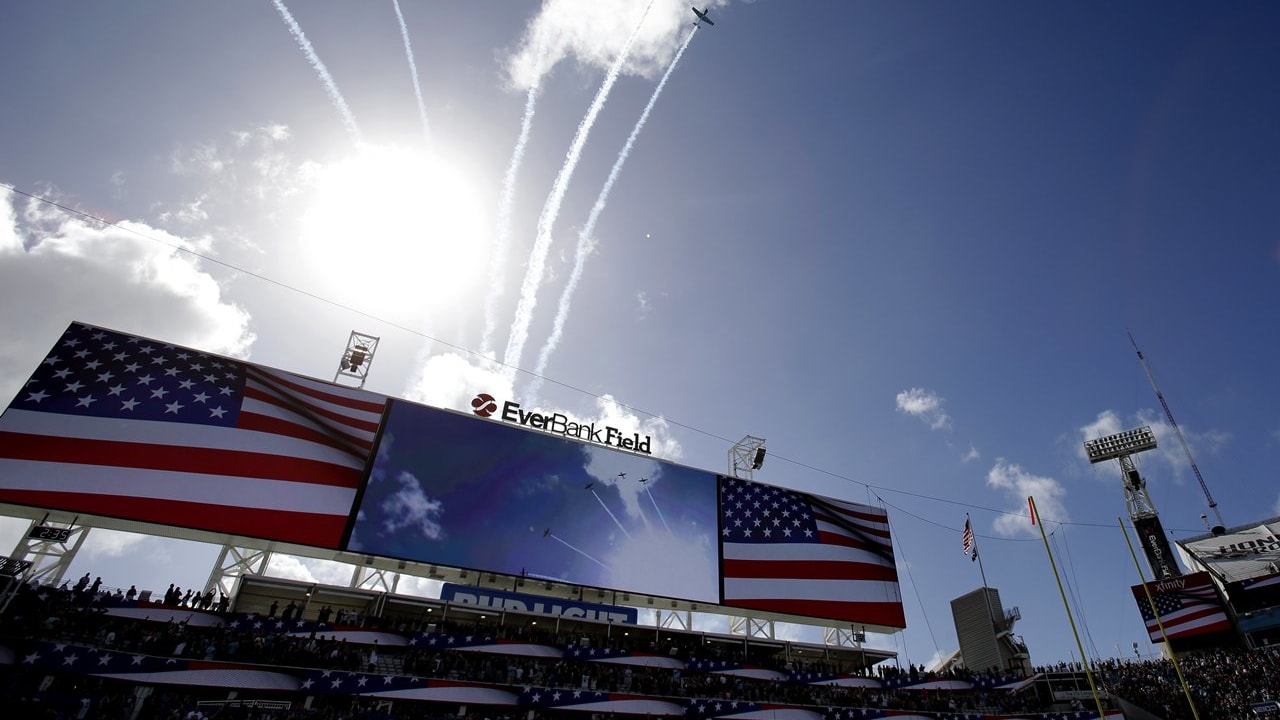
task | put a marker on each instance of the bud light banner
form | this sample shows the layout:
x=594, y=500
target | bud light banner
x=500, y=600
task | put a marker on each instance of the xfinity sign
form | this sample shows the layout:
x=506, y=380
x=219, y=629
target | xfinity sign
x=485, y=406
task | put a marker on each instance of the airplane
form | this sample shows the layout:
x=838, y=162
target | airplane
x=545, y=533
x=588, y=486
x=622, y=475
x=644, y=480
x=702, y=16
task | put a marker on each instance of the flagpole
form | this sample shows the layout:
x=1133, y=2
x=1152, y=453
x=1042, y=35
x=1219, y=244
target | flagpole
x=1151, y=601
x=986, y=595
x=1088, y=673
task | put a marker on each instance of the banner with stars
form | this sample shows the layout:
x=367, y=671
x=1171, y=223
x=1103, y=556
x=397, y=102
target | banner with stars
x=114, y=424
x=153, y=670
x=789, y=552
x=1188, y=605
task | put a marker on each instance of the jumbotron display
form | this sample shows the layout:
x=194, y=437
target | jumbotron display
x=122, y=426
x=550, y=507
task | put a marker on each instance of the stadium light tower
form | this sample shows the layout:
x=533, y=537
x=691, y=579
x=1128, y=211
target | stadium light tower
x=1122, y=446
x=357, y=358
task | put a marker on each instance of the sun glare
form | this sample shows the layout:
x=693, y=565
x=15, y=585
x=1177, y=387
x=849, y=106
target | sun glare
x=390, y=229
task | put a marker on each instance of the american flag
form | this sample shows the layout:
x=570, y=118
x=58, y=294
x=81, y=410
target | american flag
x=1188, y=605
x=970, y=543
x=789, y=552
x=118, y=425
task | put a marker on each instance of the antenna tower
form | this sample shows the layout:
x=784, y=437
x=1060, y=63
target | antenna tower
x=1219, y=528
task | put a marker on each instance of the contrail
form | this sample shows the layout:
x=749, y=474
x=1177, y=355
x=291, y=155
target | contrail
x=542, y=243
x=498, y=263
x=615, y=517
x=585, y=243
x=413, y=70
x=329, y=85
x=661, y=517
x=583, y=554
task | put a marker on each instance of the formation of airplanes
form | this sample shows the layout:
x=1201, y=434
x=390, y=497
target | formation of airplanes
x=702, y=16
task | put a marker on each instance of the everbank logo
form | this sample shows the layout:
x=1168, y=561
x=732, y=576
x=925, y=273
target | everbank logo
x=485, y=405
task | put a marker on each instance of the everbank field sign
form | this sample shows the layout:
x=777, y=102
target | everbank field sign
x=484, y=405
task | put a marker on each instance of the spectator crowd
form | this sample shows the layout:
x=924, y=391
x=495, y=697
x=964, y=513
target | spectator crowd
x=1225, y=680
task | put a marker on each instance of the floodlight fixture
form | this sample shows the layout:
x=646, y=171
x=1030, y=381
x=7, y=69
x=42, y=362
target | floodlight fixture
x=357, y=358
x=745, y=456
x=1121, y=444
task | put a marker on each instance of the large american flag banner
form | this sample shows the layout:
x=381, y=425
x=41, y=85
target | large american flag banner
x=789, y=552
x=1188, y=605
x=118, y=425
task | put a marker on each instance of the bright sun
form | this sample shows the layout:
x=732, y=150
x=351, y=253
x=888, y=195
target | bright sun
x=390, y=229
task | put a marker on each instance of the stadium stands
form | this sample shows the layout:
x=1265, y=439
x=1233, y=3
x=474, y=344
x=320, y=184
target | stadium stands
x=68, y=653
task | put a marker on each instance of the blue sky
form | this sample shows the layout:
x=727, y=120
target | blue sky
x=901, y=241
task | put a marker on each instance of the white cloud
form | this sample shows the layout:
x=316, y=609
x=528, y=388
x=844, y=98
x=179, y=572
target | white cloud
x=611, y=412
x=419, y=586
x=111, y=543
x=410, y=507
x=1017, y=484
x=452, y=381
x=925, y=405
x=200, y=159
x=56, y=268
x=311, y=570
x=972, y=455
x=594, y=34
x=290, y=568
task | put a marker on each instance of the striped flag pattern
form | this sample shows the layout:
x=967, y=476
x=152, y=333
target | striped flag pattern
x=789, y=552
x=970, y=543
x=1188, y=605
x=118, y=425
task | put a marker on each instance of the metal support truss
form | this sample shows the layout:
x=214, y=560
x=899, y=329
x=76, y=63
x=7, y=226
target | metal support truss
x=50, y=559
x=675, y=619
x=372, y=578
x=752, y=627
x=357, y=358
x=1136, y=499
x=843, y=637
x=235, y=562
x=746, y=456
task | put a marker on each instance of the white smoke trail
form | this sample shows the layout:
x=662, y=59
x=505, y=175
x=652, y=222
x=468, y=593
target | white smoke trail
x=660, y=515
x=501, y=246
x=329, y=85
x=585, y=243
x=615, y=517
x=542, y=242
x=580, y=552
x=413, y=70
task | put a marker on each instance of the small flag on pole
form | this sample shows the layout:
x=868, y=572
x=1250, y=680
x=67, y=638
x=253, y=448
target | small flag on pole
x=1031, y=503
x=970, y=544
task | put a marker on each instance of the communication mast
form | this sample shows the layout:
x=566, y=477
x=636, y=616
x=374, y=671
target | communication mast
x=1220, y=527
